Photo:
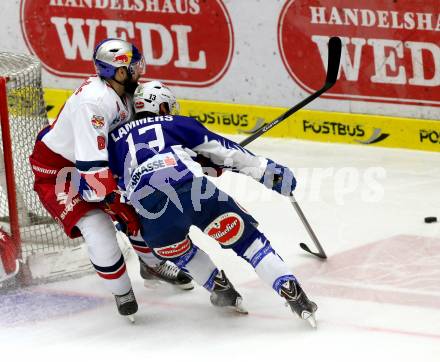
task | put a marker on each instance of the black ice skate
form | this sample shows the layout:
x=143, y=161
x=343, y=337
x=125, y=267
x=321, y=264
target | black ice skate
x=298, y=301
x=167, y=272
x=127, y=305
x=225, y=295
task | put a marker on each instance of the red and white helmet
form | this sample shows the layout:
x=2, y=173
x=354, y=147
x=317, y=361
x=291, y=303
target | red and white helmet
x=149, y=96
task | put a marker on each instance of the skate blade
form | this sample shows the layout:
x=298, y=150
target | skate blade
x=310, y=317
x=131, y=318
x=152, y=283
x=239, y=308
x=187, y=286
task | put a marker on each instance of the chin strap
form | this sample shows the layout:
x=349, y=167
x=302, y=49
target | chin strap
x=117, y=81
x=128, y=85
x=126, y=81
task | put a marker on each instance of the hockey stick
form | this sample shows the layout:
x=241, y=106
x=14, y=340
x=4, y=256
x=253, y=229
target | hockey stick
x=321, y=253
x=334, y=59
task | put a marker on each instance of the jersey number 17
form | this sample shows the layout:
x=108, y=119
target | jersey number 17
x=138, y=140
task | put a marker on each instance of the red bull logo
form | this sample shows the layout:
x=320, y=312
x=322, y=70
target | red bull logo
x=98, y=122
x=122, y=59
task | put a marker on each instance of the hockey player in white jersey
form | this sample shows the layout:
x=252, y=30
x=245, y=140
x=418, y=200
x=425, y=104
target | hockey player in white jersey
x=154, y=159
x=72, y=177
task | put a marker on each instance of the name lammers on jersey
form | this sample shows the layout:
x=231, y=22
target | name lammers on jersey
x=122, y=131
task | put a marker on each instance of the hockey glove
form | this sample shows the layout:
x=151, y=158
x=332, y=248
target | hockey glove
x=278, y=178
x=94, y=187
x=122, y=213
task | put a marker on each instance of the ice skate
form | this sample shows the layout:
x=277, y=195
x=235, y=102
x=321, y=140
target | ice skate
x=298, y=301
x=225, y=295
x=127, y=305
x=167, y=272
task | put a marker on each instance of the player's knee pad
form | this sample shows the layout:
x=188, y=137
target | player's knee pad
x=104, y=251
x=100, y=237
x=181, y=250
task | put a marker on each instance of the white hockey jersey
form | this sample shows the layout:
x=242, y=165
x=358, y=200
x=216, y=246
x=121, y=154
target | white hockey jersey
x=80, y=132
x=91, y=112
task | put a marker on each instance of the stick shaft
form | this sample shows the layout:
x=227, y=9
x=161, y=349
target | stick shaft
x=265, y=128
x=308, y=227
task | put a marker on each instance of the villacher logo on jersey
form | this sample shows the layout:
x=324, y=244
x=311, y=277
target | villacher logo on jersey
x=175, y=250
x=176, y=37
x=390, y=49
x=226, y=229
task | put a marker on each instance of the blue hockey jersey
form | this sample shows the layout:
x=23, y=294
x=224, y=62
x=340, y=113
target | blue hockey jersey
x=159, y=151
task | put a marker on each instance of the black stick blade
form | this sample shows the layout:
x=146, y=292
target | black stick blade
x=306, y=248
x=334, y=59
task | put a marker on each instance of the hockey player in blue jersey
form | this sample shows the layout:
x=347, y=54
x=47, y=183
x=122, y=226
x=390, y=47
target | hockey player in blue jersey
x=154, y=160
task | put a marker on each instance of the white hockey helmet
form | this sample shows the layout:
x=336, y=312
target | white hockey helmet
x=149, y=96
x=111, y=54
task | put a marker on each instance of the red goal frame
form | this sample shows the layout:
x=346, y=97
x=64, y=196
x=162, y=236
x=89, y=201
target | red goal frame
x=9, y=166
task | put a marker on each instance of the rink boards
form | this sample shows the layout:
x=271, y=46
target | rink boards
x=320, y=126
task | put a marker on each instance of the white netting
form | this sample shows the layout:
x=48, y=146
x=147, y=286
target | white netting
x=27, y=116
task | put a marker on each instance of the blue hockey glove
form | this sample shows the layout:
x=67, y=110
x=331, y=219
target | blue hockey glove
x=278, y=178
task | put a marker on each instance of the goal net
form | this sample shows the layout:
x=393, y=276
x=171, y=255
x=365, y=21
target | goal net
x=41, y=244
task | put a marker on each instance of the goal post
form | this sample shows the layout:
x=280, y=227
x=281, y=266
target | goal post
x=8, y=165
x=40, y=242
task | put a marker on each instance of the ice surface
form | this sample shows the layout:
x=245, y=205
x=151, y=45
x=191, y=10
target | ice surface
x=378, y=293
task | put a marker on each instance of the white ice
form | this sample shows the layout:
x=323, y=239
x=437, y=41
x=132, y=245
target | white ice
x=384, y=306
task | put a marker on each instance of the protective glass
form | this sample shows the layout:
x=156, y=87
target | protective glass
x=138, y=67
